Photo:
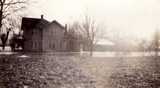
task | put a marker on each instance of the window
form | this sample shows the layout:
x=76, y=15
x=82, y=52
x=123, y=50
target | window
x=32, y=43
x=35, y=44
x=53, y=46
x=32, y=32
x=61, y=44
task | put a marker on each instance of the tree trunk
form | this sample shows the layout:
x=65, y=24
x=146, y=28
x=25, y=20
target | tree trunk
x=1, y=16
x=91, y=48
x=3, y=47
x=4, y=38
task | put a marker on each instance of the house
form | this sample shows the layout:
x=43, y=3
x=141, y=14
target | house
x=42, y=35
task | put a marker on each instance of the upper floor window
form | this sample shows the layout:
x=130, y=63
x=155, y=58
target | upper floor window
x=34, y=31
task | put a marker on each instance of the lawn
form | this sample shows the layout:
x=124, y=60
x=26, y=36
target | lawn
x=122, y=72
x=34, y=70
x=41, y=71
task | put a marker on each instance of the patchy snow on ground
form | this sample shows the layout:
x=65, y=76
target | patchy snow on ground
x=7, y=53
x=42, y=71
x=66, y=70
x=24, y=56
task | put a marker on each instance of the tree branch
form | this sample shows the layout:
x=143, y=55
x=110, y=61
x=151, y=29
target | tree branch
x=14, y=3
x=11, y=12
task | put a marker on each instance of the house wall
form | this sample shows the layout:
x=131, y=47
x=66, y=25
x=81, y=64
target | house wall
x=73, y=45
x=27, y=42
x=53, y=38
x=50, y=38
x=33, y=39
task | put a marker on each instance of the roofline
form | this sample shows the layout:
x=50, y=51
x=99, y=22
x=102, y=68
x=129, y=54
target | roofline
x=55, y=21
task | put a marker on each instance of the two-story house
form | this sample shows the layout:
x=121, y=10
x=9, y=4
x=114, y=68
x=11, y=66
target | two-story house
x=42, y=35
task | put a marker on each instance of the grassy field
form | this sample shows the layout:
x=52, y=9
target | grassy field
x=122, y=72
x=35, y=70
x=41, y=71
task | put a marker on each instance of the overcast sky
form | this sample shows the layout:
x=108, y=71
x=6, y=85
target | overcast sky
x=133, y=17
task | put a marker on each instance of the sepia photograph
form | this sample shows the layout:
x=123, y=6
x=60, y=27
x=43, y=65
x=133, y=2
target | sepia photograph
x=79, y=43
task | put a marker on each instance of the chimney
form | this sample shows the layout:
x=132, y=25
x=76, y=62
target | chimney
x=42, y=16
x=66, y=26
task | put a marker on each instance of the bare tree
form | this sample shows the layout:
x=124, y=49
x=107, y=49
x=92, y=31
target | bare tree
x=7, y=8
x=89, y=31
x=73, y=37
x=155, y=43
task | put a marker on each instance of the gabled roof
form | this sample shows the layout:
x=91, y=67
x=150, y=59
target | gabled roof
x=29, y=23
x=56, y=22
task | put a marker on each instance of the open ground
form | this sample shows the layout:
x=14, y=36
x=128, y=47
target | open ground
x=48, y=70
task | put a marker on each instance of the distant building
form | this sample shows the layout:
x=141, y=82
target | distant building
x=42, y=35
